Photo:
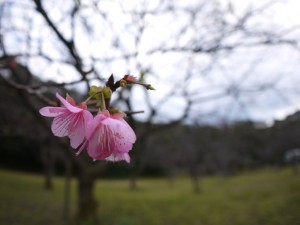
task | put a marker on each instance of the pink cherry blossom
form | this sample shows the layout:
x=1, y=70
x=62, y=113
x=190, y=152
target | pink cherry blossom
x=109, y=137
x=69, y=120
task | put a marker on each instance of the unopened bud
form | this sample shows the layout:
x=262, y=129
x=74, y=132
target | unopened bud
x=130, y=79
x=149, y=87
x=123, y=83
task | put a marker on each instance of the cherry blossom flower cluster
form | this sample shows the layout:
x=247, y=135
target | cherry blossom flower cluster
x=105, y=136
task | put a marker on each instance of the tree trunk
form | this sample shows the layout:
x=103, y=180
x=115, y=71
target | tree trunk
x=133, y=181
x=294, y=164
x=171, y=178
x=48, y=161
x=67, y=191
x=196, y=184
x=136, y=168
x=48, y=176
x=133, y=173
x=87, y=205
x=195, y=180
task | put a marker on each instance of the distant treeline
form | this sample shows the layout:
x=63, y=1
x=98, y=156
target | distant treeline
x=225, y=149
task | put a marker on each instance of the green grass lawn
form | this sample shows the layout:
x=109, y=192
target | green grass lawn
x=258, y=198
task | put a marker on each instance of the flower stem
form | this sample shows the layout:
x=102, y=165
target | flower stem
x=102, y=105
x=88, y=99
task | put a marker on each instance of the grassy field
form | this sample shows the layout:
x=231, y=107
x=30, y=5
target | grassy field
x=258, y=198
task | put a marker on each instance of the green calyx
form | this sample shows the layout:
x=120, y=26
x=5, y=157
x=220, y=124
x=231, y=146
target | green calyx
x=102, y=96
x=95, y=92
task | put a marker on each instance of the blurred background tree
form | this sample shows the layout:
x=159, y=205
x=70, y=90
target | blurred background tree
x=211, y=62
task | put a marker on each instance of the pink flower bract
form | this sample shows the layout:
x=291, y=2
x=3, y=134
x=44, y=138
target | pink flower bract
x=109, y=137
x=69, y=120
x=130, y=78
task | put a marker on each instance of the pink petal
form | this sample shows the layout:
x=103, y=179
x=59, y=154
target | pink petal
x=70, y=107
x=51, y=111
x=91, y=124
x=77, y=133
x=88, y=118
x=130, y=78
x=123, y=135
x=127, y=131
x=123, y=145
x=96, y=147
x=61, y=124
x=109, y=138
x=78, y=127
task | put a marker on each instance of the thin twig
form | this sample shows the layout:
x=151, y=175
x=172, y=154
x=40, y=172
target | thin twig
x=28, y=90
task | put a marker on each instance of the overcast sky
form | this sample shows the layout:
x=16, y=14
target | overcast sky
x=262, y=81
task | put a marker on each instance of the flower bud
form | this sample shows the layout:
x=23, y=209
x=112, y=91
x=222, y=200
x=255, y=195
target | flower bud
x=123, y=83
x=130, y=79
x=149, y=87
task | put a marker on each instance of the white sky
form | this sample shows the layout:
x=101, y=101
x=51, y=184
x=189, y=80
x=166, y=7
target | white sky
x=245, y=68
